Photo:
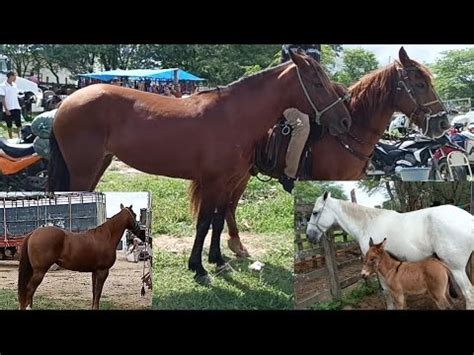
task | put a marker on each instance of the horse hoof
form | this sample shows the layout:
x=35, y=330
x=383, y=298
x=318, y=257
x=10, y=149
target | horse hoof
x=203, y=280
x=243, y=253
x=226, y=268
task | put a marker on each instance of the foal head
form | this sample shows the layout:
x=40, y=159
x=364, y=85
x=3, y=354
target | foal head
x=133, y=225
x=372, y=258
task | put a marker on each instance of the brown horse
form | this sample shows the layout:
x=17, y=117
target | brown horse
x=208, y=138
x=429, y=276
x=91, y=251
x=402, y=86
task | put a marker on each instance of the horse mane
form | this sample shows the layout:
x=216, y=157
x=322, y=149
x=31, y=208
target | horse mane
x=358, y=211
x=246, y=79
x=375, y=87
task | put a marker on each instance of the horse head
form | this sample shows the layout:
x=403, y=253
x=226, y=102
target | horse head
x=319, y=96
x=416, y=97
x=321, y=218
x=133, y=226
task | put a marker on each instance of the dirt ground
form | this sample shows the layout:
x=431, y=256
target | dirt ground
x=178, y=245
x=122, y=287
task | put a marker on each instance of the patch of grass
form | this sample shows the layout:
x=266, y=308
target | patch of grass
x=271, y=288
x=351, y=298
x=8, y=300
x=264, y=208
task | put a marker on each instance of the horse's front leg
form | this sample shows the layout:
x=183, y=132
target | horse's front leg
x=205, y=216
x=101, y=276
x=215, y=255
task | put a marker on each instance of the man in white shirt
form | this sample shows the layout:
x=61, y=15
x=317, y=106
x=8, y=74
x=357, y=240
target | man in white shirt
x=11, y=105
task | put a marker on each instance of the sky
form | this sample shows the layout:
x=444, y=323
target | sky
x=362, y=197
x=424, y=53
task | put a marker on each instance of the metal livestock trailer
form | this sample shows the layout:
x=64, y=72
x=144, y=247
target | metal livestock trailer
x=21, y=213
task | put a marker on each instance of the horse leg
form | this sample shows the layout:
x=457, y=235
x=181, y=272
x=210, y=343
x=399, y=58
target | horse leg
x=465, y=285
x=205, y=216
x=105, y=165
x=101, y=276
x=33, y=284
x=215, y=255
x=399, y=300
x=94, y=283
x=85, y=164
x=234, y=242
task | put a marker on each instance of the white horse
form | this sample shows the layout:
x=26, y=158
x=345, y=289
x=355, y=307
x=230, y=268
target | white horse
x=445, y=230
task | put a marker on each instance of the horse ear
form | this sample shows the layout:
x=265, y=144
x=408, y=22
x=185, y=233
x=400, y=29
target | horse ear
x=326, y=195
x=298, y=59
x=130, y=207
x=404, y=59
x=382, y=245
x=121, y=206
x=371, y=242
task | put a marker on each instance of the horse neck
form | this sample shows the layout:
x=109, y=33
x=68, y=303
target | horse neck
x=354, y=219
x=387, y=263
x=372, y=104
x=117, y=225
x=261, y=99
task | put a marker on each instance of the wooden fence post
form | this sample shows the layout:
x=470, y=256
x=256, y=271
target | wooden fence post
x=330, y=255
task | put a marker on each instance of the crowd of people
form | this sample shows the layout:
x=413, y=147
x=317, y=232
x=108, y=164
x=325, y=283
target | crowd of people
x=157, y=87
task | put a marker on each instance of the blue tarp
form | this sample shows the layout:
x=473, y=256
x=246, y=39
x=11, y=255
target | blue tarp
x=156, y=74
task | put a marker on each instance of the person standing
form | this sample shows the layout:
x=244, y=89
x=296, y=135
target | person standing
x=11, y=105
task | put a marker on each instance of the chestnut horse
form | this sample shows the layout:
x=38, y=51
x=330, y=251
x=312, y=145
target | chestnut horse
x=403, y=278
x=208, y=138
x=91, y=251
x=404, y=86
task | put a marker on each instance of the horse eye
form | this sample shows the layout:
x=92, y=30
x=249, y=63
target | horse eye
x=318, y=85
x=420, y=85
x=315, y=213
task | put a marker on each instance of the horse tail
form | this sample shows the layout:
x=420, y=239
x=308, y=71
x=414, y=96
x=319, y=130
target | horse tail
x=58, y=172
x=25, y=272
x=195, y=192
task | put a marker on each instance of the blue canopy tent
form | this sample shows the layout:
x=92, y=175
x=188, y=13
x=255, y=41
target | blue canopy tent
x=156, y=74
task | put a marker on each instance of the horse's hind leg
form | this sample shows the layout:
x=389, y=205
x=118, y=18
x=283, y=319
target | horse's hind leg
x=33, y=284
x=105, y=165
x=101, y=276
x=465, y=285
x=234, y=242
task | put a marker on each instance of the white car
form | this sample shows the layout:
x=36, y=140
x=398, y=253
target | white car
x=464, y=119
x=25, y=85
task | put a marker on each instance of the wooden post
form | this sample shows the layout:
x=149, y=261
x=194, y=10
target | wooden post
x=330, y=255
x=353, y=196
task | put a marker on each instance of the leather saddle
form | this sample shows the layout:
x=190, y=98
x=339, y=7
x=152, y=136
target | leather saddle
x=270, y=152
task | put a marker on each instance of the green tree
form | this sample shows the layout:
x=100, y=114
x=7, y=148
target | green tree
x=454, y=74
x=23, y=56
x=308, y=191
x=356, y=63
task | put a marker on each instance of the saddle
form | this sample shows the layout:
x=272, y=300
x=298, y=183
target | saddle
x=270, y=152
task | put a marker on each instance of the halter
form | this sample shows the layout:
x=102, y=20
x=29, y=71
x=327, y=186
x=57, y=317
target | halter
x=404, y=83
x=136, y=227
x=317, y=220
x=319, y=114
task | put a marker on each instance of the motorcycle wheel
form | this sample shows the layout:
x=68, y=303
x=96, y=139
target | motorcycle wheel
x=459, y=172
